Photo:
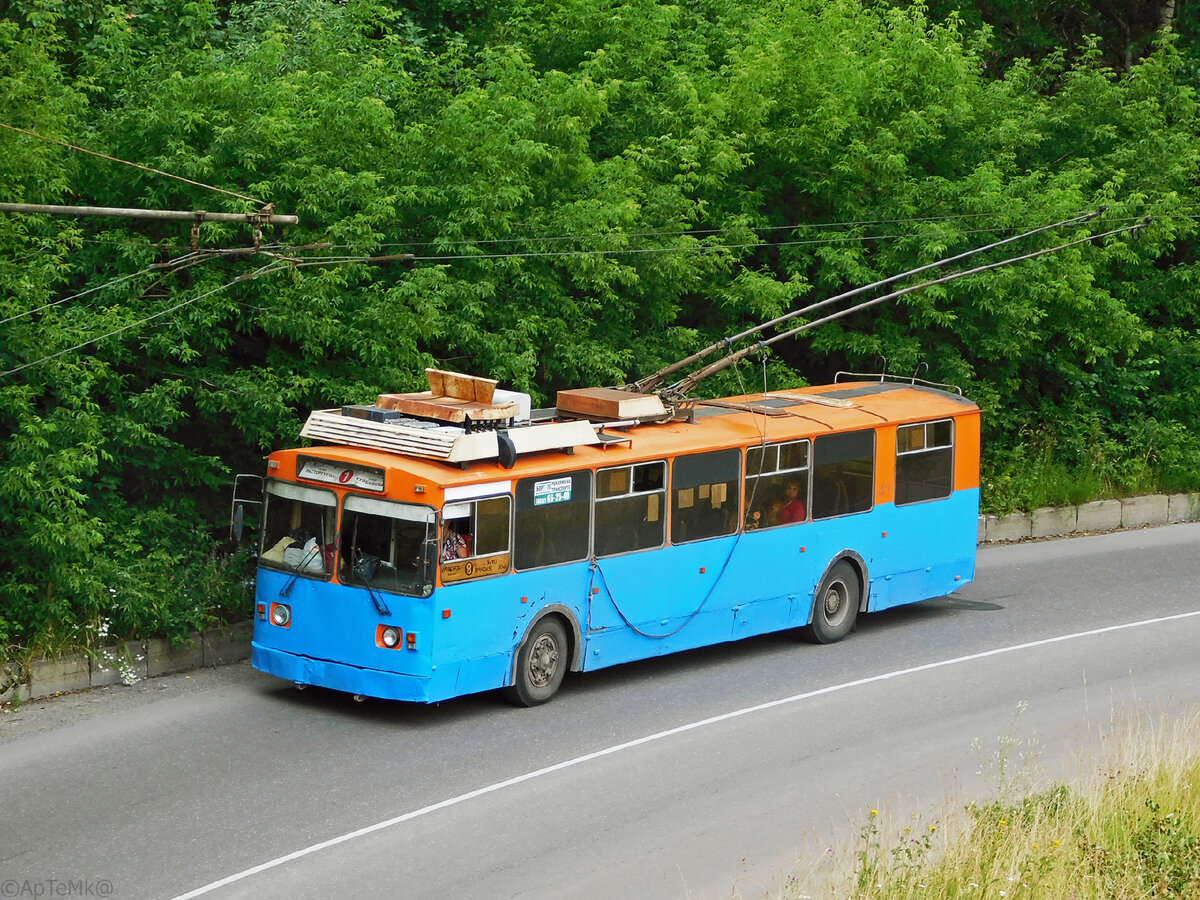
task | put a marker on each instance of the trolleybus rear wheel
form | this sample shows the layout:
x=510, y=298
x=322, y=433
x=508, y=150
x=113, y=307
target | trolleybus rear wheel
x=541, y=664
x=835, y=605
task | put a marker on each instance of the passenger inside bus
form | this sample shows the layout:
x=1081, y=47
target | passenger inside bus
x=456, y=545
x=789, y=508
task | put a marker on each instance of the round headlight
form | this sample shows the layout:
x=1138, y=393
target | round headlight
x=281, y=615
x=390, y=637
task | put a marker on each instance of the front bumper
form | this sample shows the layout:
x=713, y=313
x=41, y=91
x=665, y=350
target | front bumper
x=339, y=676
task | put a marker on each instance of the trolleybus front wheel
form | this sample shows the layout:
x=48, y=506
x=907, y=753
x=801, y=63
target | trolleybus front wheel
x=835, y=605
x=541, y=664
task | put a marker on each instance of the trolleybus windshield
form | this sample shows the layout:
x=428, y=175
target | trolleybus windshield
x=388, y=546
x=299, y=530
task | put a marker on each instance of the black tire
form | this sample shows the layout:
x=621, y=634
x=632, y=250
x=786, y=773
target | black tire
x=542, y=661
x=835, y=605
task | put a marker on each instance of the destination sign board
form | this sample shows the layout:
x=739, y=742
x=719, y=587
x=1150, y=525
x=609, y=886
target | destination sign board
x=364, y=478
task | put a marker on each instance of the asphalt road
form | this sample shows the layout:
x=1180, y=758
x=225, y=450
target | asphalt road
x=707, y=774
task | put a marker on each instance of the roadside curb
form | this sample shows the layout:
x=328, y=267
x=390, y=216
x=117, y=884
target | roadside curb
x=1099, y=515
x=124, y=663
x=134, y=660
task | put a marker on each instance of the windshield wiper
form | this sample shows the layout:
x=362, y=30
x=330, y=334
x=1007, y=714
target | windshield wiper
x=365, y=567
x=297, y=569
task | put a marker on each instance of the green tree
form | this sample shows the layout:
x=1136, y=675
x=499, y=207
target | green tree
x=554, y=193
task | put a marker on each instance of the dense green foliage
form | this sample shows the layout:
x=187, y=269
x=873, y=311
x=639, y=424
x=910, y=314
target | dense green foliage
x=587, y=190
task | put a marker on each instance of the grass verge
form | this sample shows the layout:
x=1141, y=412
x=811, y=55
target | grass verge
x=1127, y=827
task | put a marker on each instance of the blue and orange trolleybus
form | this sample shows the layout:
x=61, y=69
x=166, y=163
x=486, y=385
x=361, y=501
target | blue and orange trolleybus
x=452, y=541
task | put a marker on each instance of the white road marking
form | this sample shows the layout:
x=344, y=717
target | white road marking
x=658, y=736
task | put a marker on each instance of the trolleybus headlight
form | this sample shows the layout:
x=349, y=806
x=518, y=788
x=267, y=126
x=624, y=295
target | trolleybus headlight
x=390, y=637
x=281, y=615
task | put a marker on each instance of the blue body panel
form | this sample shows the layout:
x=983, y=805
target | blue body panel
x=622, y=608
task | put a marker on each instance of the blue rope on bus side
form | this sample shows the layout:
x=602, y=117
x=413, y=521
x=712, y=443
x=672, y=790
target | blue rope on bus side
x=595, y=567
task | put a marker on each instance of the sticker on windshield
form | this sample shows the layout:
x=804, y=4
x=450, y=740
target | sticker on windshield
x=557, y=490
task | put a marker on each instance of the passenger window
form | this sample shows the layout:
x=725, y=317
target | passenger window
x=704, y=495
x=475, y=538
x=553, y=519
x=630, y=508
x=843, y=474
x=924, y=461
x=776, y=485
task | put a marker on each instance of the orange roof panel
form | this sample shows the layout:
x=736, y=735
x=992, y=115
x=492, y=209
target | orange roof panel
x=728, y=422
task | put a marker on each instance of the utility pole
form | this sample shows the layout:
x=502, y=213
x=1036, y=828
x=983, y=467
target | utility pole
x=265, y=216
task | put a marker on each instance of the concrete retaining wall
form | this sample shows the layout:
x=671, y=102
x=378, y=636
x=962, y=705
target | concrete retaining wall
x=125, y=663
x=1099, y=515
x=130, y=662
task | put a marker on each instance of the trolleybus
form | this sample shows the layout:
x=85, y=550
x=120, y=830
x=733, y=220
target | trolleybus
x=453, y=541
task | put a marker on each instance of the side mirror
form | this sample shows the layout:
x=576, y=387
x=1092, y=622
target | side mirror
x=239, y=521
x=247, y=490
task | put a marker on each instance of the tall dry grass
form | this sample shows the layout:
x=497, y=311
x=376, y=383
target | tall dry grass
x=1127, y=826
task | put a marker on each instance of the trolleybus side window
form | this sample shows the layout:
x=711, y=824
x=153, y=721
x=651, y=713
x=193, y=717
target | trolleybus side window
x=475, y=538
x=704, y=493
x=843, y=474
x=298, y=533
x=777, y=484
x=389, y=546
x=924, y=461
x=553, y=518
x=629, y=508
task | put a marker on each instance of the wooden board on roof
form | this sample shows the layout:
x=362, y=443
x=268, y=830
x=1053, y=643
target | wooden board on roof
x=610, y=404
x=459, y=386
x=452, y=397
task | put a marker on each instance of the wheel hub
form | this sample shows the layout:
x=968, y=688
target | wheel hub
x=834, y=598
x=543, y=661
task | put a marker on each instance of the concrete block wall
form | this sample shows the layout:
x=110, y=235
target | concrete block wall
x=124, y=663
x=1183, y=508
x=163, y=658
x=1137, y=512
x=225, y=645
x=12, y=685
x=1099, y=515
x=50, y=676
x=1046, y=521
